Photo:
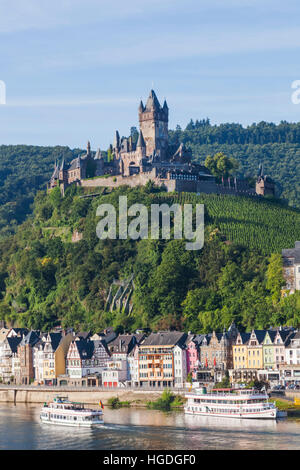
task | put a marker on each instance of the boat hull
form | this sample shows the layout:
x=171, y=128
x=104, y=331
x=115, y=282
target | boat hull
x=268, y=414
x=81, y=424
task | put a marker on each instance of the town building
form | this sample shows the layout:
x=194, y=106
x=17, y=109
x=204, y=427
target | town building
x=157, y=359
x=8, y=351
x=115, y=373
x=291, y=268
x=216, y=349
x=24, y=374
x=86, y=358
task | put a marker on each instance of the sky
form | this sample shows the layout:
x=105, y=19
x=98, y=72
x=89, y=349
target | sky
x=76, y=70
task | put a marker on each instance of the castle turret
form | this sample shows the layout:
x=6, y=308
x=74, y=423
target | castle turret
x=116, y=144
x=141, y=146
x=265, y=186
x=88, y=148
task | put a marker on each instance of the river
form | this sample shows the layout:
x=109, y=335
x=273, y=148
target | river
x=134, y=429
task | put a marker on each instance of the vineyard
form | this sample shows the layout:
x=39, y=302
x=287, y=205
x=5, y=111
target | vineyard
x=261, y=224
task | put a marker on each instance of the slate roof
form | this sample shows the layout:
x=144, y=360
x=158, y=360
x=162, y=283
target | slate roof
x=123, y=344
x=85, y=348
x=31, y=338
x=55, y=340
x=245, y=337
x=83, y=334
x=165, y=338
x=292, y=253
x=152, y=102
x=76, y=163
x=141, y=141
x=260, y=335
x=13, y=343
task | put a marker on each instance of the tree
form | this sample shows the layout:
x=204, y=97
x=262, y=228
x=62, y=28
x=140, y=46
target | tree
x=221, y=165
x=274, y=275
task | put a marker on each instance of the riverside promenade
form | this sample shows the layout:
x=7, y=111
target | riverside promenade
x=92, y=395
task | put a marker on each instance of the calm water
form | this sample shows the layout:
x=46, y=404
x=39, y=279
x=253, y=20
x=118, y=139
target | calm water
x=20, y=428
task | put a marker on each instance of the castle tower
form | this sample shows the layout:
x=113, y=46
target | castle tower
x=265, y=186
x=154, y=126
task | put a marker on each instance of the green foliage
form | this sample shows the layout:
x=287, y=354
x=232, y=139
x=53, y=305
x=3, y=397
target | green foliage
x=46, y=280
x=221, y=165
x=275, y=280
x=225, y=383
x=166, y=401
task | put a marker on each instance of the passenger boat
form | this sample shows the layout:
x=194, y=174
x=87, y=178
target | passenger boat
x=67, y=413
x=231, y=403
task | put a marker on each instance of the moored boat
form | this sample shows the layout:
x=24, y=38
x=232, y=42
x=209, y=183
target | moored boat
x=231, y=403
x=67, y=413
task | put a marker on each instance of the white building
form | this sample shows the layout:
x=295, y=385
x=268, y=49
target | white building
x=180, y=365
x=115, y=373
x=86, y=357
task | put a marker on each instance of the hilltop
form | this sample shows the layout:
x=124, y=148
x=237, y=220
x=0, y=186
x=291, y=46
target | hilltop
x=46, y=279
x=26, y=169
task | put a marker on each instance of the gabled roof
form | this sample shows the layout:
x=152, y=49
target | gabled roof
x=244, y=337
x=85, y=348
x=55, y=339
x=13, y=343
x=83, y=334
x=165, y=338
x=31, y=338
x=123, y=344
x=3, y=333
x=272, y=334
x=260, y=335
x=102, y=342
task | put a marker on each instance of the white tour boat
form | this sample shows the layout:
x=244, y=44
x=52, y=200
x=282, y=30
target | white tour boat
x=231, y=403
x=67, y=413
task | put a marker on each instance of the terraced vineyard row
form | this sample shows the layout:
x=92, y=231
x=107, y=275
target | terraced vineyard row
x=254, y=222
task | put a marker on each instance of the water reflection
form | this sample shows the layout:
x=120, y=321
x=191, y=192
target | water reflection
x=20, y=428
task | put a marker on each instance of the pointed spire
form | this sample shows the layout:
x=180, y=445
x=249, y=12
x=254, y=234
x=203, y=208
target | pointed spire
x=140, y=142
x=141, y=107
x=63, y=164
x=261, y=170
x=88, y=148
x=98, y=155
x=152, y=102
x=116, y=140
x=165, y=106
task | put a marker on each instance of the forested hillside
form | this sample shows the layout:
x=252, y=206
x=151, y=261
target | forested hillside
x=46, y=280
x=276, y=146
x=24, y=170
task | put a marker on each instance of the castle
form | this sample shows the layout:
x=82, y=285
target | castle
x=149, y=158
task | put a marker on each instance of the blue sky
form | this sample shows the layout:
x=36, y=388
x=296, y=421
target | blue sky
x=76, y=69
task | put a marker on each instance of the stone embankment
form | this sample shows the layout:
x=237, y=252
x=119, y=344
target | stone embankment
x=91, y=395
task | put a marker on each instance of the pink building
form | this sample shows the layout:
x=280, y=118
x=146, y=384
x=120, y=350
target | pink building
x=192, y=356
